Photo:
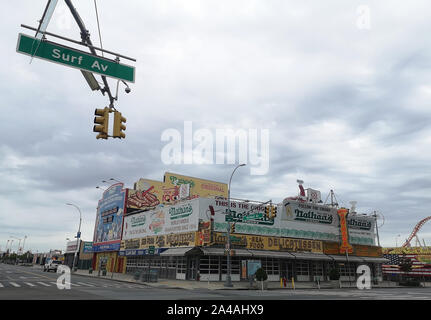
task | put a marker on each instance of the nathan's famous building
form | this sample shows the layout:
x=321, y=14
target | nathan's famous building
x=178, y=227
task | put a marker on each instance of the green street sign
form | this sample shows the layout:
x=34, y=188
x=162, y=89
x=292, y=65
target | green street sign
x=74, y=58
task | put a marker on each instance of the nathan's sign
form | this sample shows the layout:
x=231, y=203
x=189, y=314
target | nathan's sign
x=271, y=243
x=187, y=239
x=303, y=212
x=257, y=218
x=361, y=224
x=180, y=211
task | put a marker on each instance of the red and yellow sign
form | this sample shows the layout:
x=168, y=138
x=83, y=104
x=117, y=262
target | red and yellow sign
x=345, y=246
x=150, y=193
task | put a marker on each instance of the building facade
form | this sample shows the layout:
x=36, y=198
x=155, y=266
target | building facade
x=180, y=232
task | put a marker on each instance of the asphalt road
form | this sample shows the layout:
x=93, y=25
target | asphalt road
x=27, y=283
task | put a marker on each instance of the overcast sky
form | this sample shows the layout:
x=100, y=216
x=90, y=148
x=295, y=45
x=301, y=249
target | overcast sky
x=344, y=95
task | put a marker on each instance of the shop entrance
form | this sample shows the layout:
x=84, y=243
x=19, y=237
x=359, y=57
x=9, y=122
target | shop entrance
x=286, y=270
x=191, y=268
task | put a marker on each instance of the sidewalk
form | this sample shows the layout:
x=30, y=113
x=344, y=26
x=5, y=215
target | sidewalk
x=218, y=285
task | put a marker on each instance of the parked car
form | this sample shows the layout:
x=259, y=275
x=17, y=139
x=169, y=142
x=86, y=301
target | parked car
x=51, y=265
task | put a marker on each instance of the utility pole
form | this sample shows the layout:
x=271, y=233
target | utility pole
x=85, y=36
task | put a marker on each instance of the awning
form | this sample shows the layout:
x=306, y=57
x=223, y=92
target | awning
x=176, y=251
x=311, y=256
x=375, y=260
x=222, y=252
x=344, y=258
x=272, y=254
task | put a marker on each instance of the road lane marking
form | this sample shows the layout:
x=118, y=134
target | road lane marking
x=86, y=284
x=29, y=284
x=15, y=284
x=44, y=284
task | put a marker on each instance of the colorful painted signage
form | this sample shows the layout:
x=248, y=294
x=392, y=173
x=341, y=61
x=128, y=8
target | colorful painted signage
x=250, y=219
x=87, y=247
x=181, y=217
x=345, y=246
x=271, y=243
x=186, y=239
x=150, y=193
x=109, y=218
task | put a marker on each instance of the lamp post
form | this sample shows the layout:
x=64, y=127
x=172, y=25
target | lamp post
x=78, y=236
x=396, y=240
x=228, y=282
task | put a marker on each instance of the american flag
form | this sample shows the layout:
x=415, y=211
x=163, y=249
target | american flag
x=419, y=268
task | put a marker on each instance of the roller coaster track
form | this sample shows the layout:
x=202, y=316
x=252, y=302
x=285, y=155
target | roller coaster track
x=415, y=231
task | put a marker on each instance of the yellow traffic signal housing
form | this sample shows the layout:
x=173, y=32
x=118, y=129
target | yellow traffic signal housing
x=267, y=212
x=232, y=228
x=101, y=122
x=119, y=127
x=273, y=212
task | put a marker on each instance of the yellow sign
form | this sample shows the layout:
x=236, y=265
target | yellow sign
x=198, y=187
x=271, y=243
x=150, y=193
x=187, y=239
x=411, y=250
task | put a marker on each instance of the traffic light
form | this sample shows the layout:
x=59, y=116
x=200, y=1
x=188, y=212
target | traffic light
x=267, y=212
x=101, y=123
x=118, y=125
x=273, y=212
x=232, y=228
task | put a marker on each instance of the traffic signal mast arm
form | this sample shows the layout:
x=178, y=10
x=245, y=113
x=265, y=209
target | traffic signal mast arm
x=85, y=36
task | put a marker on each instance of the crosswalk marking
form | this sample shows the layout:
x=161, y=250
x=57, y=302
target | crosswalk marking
x=29, y=284
x=44, y=284
x=15, y=284
x=1, y=286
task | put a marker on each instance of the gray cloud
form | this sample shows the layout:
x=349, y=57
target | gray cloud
x=347, y=109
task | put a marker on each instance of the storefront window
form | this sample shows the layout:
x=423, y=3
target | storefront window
x=302, y=268
x=181, y=265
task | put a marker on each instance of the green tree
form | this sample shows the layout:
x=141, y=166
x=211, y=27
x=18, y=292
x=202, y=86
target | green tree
x=261, y=275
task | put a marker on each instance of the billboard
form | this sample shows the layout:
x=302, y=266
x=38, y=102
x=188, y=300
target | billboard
x=294, y=219
x=71, y=246
x=150, y=193
x=181, y=217
x=109, y=219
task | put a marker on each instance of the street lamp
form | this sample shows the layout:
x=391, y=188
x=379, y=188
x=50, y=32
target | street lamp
x=115, y=180
x=228, y=282
x=100, y=188
x=396, y=240
x=78, y=236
